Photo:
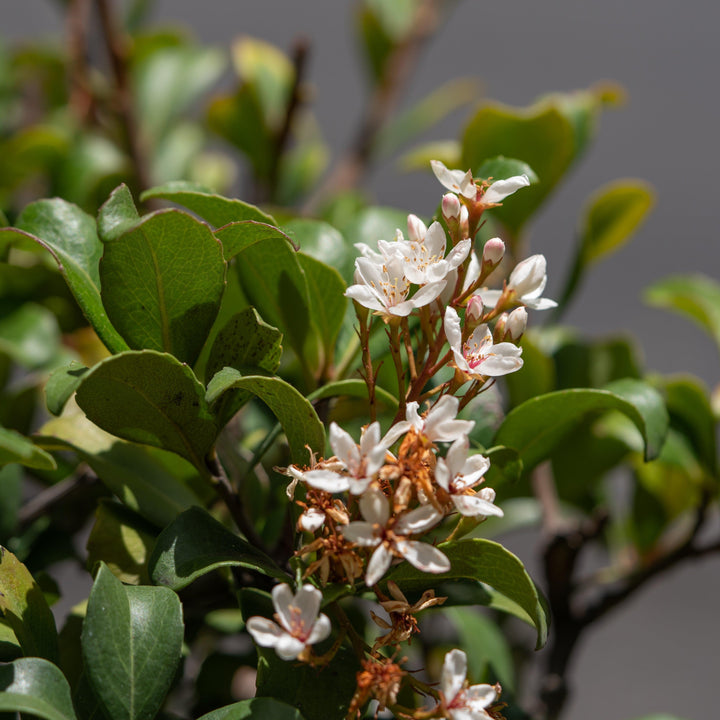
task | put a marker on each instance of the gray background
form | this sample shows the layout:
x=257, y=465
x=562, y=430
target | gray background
x=659, y=652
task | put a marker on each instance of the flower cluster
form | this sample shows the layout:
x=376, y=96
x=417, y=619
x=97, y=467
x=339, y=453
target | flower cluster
x=372, y=503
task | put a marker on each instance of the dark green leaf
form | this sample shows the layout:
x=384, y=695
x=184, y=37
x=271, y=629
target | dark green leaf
x=217, y=210
x=61, y=384
x=117, y=215
x=162, y=282
x=537, y=426
x=490, y=563
x=25, y=609
x=195, y=544
x=536, y=377
x=11, y=498
x=259, y=708
x=131, y=641
x=15, y=448
x=695, y=296
x=352, y=388
x=237, y=236
x=296, y=415
x=36, y=687
x=150, y=398
x=71, y=238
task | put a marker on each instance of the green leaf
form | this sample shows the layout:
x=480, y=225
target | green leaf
x=327, y=301
x=162, y=282
x=325, y=243
x=484, y=645
x=501, y=168
x=352, y=388
x=490, y=563
x=15, y=448
x=30, y=336
x=373, y=224
x=36, y=687
x=117, y=215
x=536, y=427
x=448, y=152
x=25, y=610
x=150, y=398
x=264, y=708
x=131, y=641
x=148, y=480
x=71, y=238
x=195, y=544
x=536, y=377
x=61, y=384
x=612, y=215
x=216, y=209
x=123, y=540
x=237, y=236
x=296, y=415
x=695, y=296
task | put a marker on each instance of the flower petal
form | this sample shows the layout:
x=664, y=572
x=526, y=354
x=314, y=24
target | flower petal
x=321, y=630
x=378, y=565
x=454, y=673
x=288, y=647
x=500, y=189
x=283, y=599
x=474, y=506
x=327, y=480
x=423, y=556
x=344, y=447
x=312, y=519
x=264, y=632
x=418, y=520
x=478, y=697
x=361, y=533
x=307, y=605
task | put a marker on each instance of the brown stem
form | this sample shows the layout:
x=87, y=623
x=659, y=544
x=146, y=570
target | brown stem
x=82, y=100
x=44, y=501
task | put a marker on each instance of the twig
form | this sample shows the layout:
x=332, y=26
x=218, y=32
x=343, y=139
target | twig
x=45, y=500
x=81, y=97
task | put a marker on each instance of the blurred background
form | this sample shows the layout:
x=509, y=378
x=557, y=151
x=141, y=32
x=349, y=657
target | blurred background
x=659, y=651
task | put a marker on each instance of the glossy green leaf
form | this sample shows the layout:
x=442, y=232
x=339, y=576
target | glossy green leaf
x=15, y=448
x=25, y=609
x=162, y=282
x=123, y=540
x=195, y=544
x=490, y=563
x=131, y=642
x=150, y=398
x=148, y=480
x=30, y=336
x=238, y=236
x=36, y=687
x=61, y=384
x=536, y=377
x=71, y=238
x=352, y=388
x=695, y=296
x=536, y=427
x=373, y=224
x=297, y=416
x=325, y=243
x=259, y=707
x=501, y=168
x=327, y=301
x=612, y=215
x=484, y=645
x=117, y=215
x=217, y=210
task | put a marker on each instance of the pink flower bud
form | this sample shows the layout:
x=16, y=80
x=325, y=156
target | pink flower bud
x=493, y=251
x=499, y=329
x=416, y=229
x=474, y=309
x=516, y=324
x=451, y=207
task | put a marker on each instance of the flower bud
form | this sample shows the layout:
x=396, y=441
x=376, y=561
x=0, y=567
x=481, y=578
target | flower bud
x=474, y=310
x=416, y=229
x=451, y=207
x=500, y=327
x=493, y=252
x=516, y=324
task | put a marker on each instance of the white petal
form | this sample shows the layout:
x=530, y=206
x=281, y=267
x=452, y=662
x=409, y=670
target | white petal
x=418, y=520
x=374, y=507
x=358, y=486
x=498, y=365
x=478, y=697
x=327, y=480
x=378, y=565
x=264, y=632
x=453, y=674
x=370, y=439
x=344, y=447
x=365, y=296
x=442, y=474
x=426, y=294
x=321, y=630
x=453, y=332
x=307, y=603
x=397, y=431
x=423, y=556
x=457, y=455
x=312, y=519
x=528, y=275
x=288, y=647
x=540, y=304
x=489, y=297
x=435, y=239
x=416, y=229
x=283, y=598
x=499, y=190
x=361, y=533
x=474, y=505
x=472, y=471
x=458, y=254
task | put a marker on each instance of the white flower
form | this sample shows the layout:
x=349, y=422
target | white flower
x=471, y=275
x=455, y=180
x=500, y=189
x=300, y=625
x=361, y=463
x=457, y=474
x=383, y=286
x=479, y=356
x=527, y=282
x=440, y=424
x=460, y=701
x=389, y=536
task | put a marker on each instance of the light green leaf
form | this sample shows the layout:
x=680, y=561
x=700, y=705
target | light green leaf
x=131, y=641
x=296, y=415
x=373, y=224
x=25, y=609
x=162, y=282
x=490, y=563
x=695, y=296
x=448, y=152
x=536, y=427
x=36, y=687
x=501, y=168
x=325, y=243
x=71, y=238
x=216, y=209
x=238, y=236
x=117, y=215
x=195, y=544
x=15, y=448
x=255, y=708
x=61, y=384
x=150, y=398
x=30, y=336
